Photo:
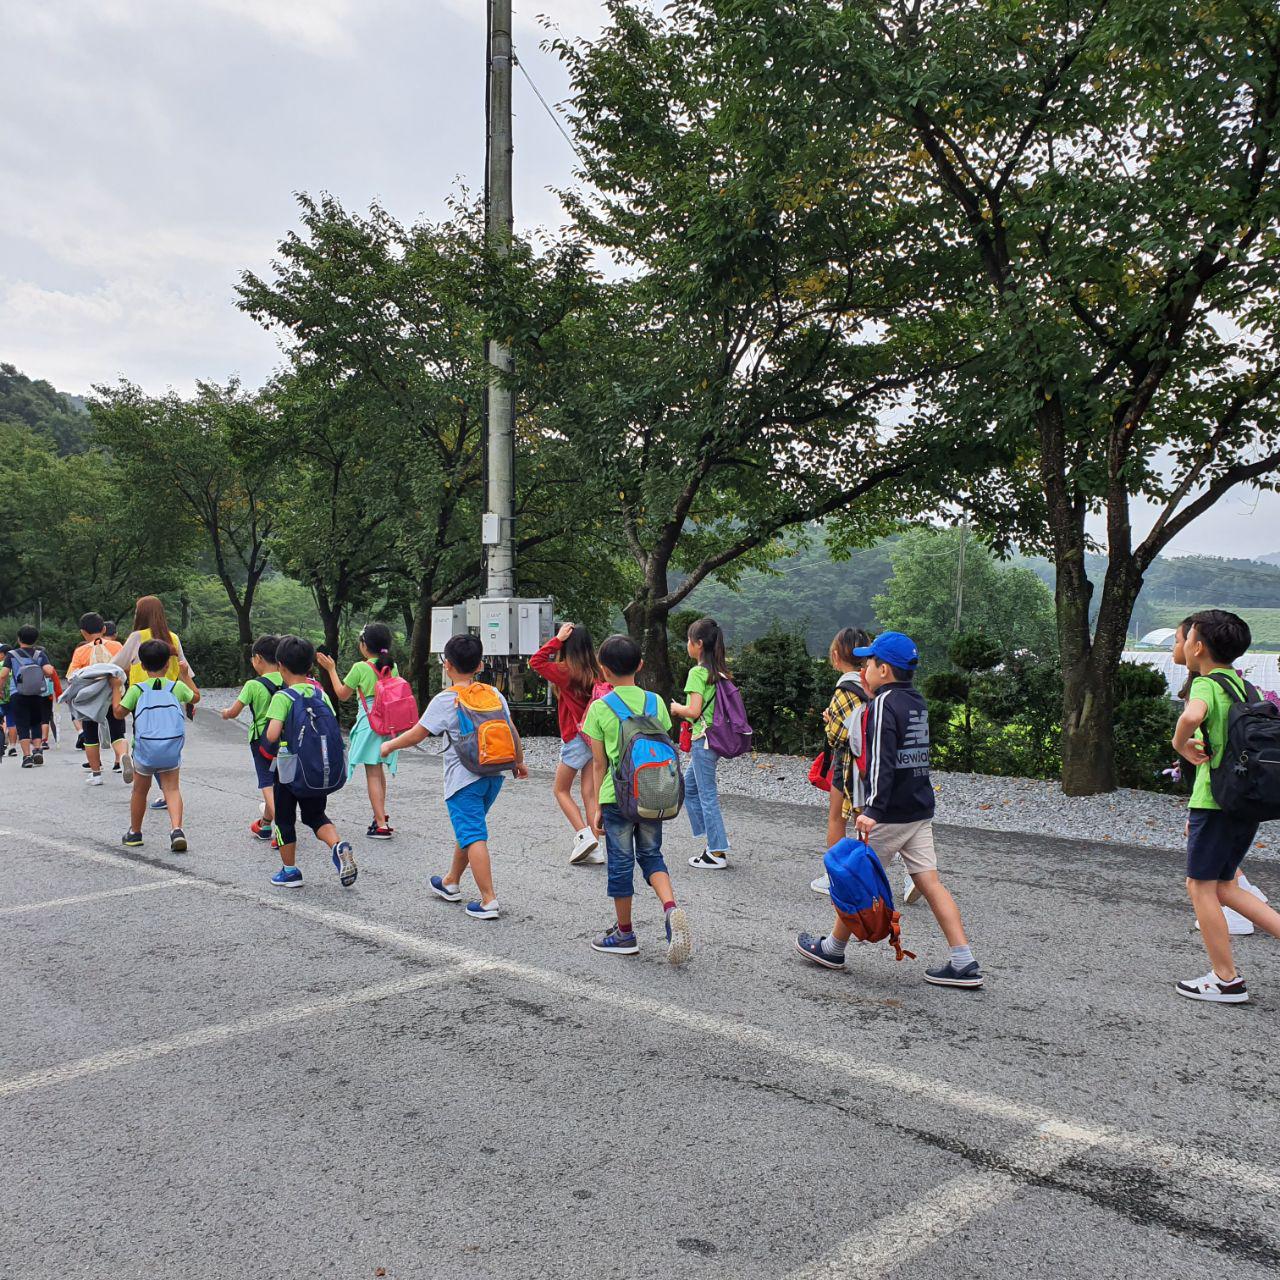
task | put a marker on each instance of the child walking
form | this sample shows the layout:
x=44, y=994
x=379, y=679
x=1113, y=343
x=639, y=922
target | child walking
x=568, y=661
x=1237, y=925
x=1217, y=842
x=365, y=746
x=897, y=815
x=468, y=796
x=842, y=722
x=705, y=643
x=159, y=733
x=256, y=697
x=22, y=681
x=97, y=649
x=628, y=842
x=295, y=657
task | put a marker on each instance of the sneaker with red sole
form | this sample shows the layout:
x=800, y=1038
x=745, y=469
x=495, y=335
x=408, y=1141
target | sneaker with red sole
x=261, y=830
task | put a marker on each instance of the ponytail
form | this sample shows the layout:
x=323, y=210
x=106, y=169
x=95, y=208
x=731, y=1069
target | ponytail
x=376, y=637
x=707, y=630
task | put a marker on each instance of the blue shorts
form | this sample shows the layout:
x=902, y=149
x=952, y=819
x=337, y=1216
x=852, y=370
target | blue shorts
x=1217, y=843
x=627, y=843
x=265, y=773
x=576, y=753
x=469, y=807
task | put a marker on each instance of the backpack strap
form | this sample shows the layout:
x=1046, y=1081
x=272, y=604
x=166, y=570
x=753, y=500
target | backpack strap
x=651, y=705
x=618, y=707
x=1227, y=685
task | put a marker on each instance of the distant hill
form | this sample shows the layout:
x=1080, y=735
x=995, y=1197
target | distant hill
x=1273, y=558
x=812, y=592
x=43, y=410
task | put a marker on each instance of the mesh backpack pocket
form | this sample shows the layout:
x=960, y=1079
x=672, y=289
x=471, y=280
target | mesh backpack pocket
x=316, y=762
x=647, y=781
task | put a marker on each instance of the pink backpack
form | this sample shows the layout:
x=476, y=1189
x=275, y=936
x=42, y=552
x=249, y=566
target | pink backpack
x=394, y=709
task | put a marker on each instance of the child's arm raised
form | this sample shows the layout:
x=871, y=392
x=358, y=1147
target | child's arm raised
x=1185, y=743
x=233, y=710
x=343, y=693
x=409, y=738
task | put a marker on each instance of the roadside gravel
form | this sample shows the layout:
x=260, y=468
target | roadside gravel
x=985, y=803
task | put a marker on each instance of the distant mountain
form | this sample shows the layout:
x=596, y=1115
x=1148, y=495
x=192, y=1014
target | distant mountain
x=1273, y=558
x=43, y=410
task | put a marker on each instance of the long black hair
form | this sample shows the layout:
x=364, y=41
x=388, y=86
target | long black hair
x=376, y=637
x=707, y=630
x=578, y=653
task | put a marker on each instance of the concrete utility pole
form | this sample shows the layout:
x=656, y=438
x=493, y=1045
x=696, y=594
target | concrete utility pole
x=500, y=519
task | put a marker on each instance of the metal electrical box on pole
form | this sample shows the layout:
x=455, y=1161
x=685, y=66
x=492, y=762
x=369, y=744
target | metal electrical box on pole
x=508, y=626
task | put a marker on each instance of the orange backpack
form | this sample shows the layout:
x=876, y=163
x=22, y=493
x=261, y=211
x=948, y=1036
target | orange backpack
x=486, y=743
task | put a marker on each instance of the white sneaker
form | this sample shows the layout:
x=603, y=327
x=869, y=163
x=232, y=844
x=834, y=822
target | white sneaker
x=595, y=859
x=708, y=861
x=1212, y=988
x=94, y=780
x=821, y=885
x=911, y=891
x=584, y=843
x=1237, y=925
x=1249, y=887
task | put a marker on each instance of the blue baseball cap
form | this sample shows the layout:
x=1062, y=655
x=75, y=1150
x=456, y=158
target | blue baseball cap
x=892, y=647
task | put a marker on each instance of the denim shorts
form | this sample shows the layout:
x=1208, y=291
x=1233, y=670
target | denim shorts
x=576, y=753
x=1216, y=844
x=469, y=808
x=627, y=843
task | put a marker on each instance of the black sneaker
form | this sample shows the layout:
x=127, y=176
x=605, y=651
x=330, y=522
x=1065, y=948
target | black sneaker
x=37, y=757
x=132, y=838
x=949, y=976
x=376, y=832
x=115, y=768
x=177, y=840
x=79, y=741
x=86, y=765
x=28, y=762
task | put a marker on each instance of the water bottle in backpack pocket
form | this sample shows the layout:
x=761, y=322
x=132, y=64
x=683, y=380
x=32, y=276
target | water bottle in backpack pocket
x=159, y=728
x=315, y=763
x=1246, y=783
x=647, y=781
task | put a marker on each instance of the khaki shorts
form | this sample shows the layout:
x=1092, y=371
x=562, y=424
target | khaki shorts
x=913, y=841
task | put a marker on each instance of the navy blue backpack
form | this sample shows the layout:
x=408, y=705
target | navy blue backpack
x=315, y=763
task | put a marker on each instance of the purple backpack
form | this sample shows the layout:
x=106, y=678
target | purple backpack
x=730, y=732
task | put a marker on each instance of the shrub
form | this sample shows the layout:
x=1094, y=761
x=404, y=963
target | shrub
x=784, y=692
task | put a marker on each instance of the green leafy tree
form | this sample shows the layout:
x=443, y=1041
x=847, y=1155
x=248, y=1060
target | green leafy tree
x=194, y=449
x=939, y=592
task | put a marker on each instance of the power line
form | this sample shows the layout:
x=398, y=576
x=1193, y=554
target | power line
x=546, y=106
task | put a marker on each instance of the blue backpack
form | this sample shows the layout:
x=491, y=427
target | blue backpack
x=647, y=779
x=315, y=764
x=159, y=729
x=861, y=895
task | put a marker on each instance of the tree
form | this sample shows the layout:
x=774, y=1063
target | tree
x=938, y=594
x=195, y=448
x=1094, y=187
x=736, y=385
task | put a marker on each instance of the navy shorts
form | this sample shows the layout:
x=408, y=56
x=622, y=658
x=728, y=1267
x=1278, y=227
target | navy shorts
x=1217, y=843
x=266, y=774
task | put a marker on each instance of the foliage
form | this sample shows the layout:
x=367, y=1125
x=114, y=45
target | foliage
x=784, y=691
x=933, y=602
x=50, y=415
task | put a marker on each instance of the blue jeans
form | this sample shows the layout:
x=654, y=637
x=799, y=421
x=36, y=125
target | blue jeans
x=702, y=799
x=627, y=843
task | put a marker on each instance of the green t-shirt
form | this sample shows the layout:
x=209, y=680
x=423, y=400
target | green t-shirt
x=254, y=695
x=134, y=692
x=1213, y=730
x=278, y=707
x=364, y=679
x=603, y=725
x=699, y=681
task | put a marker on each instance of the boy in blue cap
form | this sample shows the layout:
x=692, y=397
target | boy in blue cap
x=897, y=815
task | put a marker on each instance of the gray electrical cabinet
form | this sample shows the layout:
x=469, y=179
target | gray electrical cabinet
x=508, y=626
x=447, y=621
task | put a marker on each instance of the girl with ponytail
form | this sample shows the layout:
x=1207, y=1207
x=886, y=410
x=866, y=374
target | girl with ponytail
x=365, y=746
x=702, y=800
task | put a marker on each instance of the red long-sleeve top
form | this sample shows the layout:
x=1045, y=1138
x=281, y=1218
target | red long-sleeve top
x=570, y=705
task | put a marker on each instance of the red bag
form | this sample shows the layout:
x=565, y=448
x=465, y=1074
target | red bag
x=820, y=772
x=686, y=736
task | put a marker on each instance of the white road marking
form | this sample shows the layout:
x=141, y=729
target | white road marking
x=130, y=1055
x=883, y=1246
x=173, y=882
x=941, y=1093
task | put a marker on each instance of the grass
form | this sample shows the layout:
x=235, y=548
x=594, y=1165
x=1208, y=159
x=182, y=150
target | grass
x=1264, y=623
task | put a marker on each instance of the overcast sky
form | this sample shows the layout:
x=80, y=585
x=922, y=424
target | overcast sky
x=151, y=149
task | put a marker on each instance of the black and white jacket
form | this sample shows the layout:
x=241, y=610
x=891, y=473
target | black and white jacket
x=897, y=735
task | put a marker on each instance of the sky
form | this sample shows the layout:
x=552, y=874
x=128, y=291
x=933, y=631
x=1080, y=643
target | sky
x=152, y=149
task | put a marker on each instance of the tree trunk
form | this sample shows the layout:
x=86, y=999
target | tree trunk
x=647, y=626
x=1088, y=708
x=244, y=622
x=419, y=673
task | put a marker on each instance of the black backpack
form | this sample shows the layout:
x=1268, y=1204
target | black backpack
x=1247, y=782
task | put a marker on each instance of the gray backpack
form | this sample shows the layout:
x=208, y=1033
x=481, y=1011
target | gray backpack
x=647, y=781
x=28, y=673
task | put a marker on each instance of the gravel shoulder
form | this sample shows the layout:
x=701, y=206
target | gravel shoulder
x=1028, y=806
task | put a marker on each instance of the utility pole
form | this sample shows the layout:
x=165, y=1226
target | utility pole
x=964, y=533
x=500, y=578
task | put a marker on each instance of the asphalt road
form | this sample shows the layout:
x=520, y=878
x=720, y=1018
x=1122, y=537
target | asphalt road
x=203, y=1076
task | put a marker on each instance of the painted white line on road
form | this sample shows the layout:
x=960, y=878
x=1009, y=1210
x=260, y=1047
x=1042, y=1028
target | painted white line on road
x=174, y=882
x=220, y=1033
x=882, y=1247
x=1170, y=1157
